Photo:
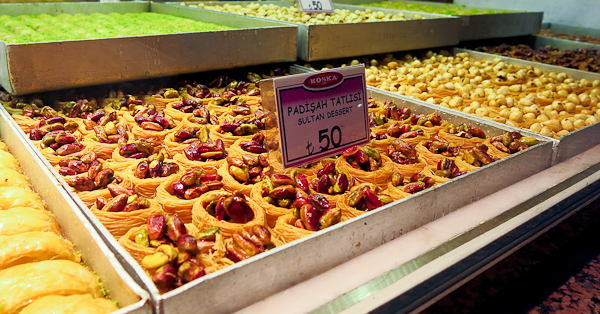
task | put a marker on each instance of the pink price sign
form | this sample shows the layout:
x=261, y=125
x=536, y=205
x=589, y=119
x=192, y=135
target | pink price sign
x=321, y=114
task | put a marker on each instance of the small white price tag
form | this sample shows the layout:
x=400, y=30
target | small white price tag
x=316, y=6
x=321, y=114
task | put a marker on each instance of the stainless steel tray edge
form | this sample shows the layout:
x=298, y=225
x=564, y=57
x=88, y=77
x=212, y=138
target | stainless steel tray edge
x=573, y=143
x=74, y=225
x=482, y=26
x=130, y=58
x=576, y=74
x=573, y=30
x=319, y=42
x=499, y=25
x=5, y=80
x=562, y=44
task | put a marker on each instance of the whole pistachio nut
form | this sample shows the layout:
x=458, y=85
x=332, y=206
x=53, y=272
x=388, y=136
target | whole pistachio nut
x=64, y=171
x=361, y=157
x=323, y=184
x=281, y=179
x=214, y=185
x=284, y=191
x=77, y=165
x=330, y=218
x=141, y=238
x=187, y=243
x=94, y=169
x=385, y=199
x=507, y=138
x=168, y=169
x=356, y=196
x=302, y=182
x=191, y=177
x=372, y=200
x=350, y=151
x=48, y=139
x=157, y=225
x=195, y=192
x=128, y=149
x=234, y=161
x=239, y=211
x=320, y=202
x=397, y=178
x=209, y=234
x=182, y=257
x=170, y=251
x=165, y=277
x=101, y=202
x=155, y=168
x=529, y=141
x=144, y=146
x=245, y=244
x=155, y=260
x=263, y=161
x=68, y=149
x=240, y=174
x=65, y=138
x=104, y=178
x=189, y=271
x=116, y=189
x=116, y=204
x=142, y=171
x=88, y=158
x=310, y=217
x=175, y=228
x=251, y=161
x=482, y=156
x=235, y=253
x=262, y=234
x=327, y=169
x=414, y=187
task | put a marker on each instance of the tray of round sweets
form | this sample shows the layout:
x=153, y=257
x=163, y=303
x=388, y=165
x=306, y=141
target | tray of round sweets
x=557, y=102
x=421, y=164
x=475, y=22
x=351, y=30
x=101, y=43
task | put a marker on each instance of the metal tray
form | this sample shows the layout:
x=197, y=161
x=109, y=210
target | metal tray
x=573, y=143
x=35, y=67
x=563, y=44
x=255, y=279
x=96, y=255
x=481, y=26
x=319, y=42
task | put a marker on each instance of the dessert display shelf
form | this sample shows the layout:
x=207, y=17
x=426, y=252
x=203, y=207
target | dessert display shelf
x=96, y=255
x=575, y=142
x=283, y=267
x=572, y=143
x=319, y=42
x=109, y=60
x=482, y=26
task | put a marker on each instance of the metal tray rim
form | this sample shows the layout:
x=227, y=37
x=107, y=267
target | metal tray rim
x=141, y=293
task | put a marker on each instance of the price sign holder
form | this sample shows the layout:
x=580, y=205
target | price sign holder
x=316, y=6
x=318, y=114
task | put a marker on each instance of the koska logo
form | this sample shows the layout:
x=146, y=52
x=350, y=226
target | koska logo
x=323, y=80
